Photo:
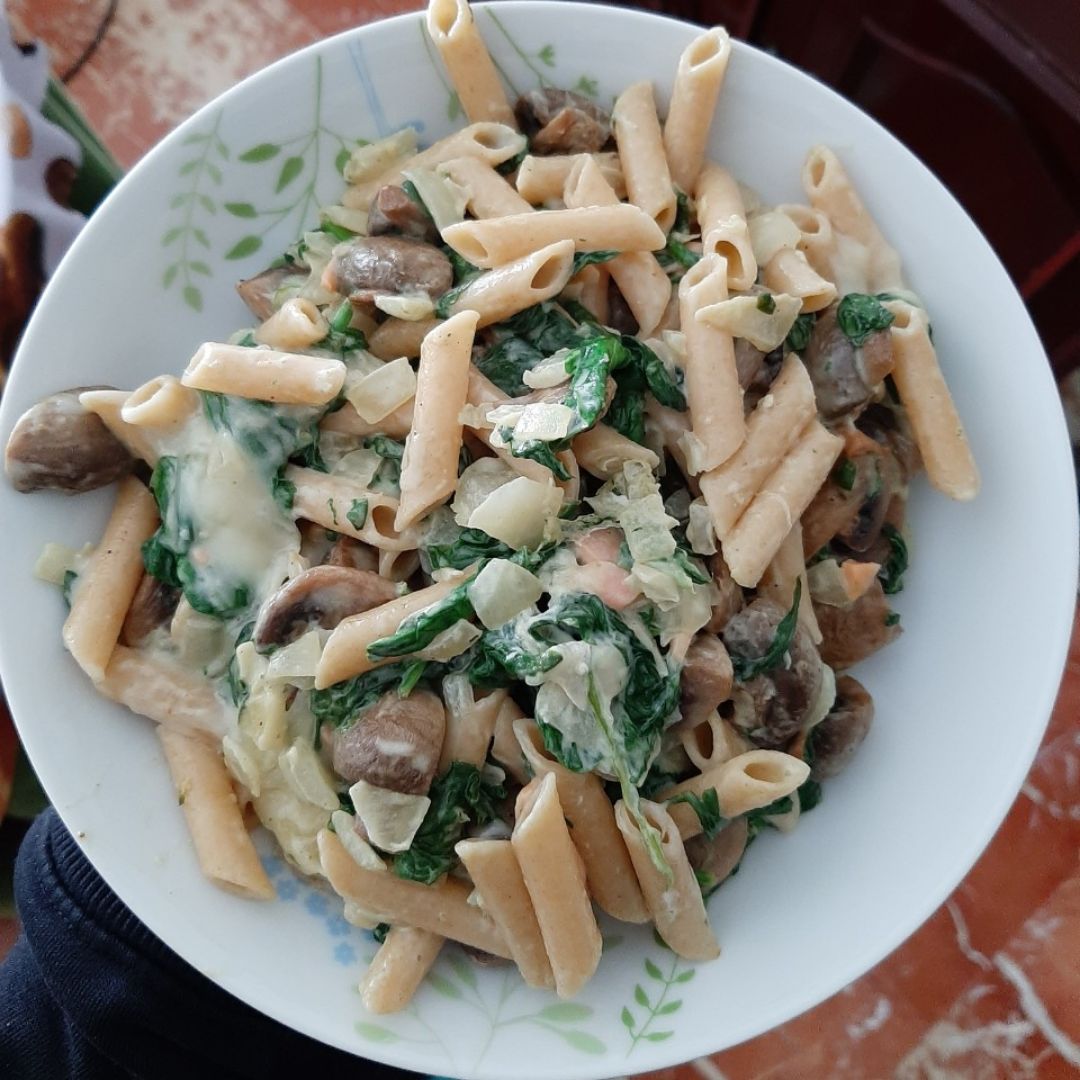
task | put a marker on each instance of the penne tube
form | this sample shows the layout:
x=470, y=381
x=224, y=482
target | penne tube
x=429, y=466
x=712, y=742
x=641, y=152
x=108, y=405
x=222, y=844
x=608, y=870
x=668, y=430
x=107, y=586
x=175, y=697
x=495, y=872
x=712, y=379
x=938, y=430
x=442, y=908
x=790, y=272
x=488, y=140
x=751, y=544
x=470, y=724
x=698, y=80
x=162, y=403
x=724, y=231
x=829, y=189
x=675, y=903
x=265, y=374
x=590, y=288
x=816, y=240
x=506, y=290
x=505, y=748
x=400, y=337
x=398, y=565
x=747, y=782
x=338, y=503
x=489, y=195
x=602, y=451
x=555, y=878
x=347, y=421
x=771, y=430
x=398, y=968
x=592, y=228
x=542, y=179
x=453, y=30
x=345, y=653
x=645, y=286
x=297, y=324
x=787, y=567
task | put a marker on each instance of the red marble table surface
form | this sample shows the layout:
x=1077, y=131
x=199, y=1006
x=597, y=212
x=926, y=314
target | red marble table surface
x=989, y=987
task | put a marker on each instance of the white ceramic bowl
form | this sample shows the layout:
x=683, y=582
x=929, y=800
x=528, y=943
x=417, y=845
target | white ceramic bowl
x=962, y=697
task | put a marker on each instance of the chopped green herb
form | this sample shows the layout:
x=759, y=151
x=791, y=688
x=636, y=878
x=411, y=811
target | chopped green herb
x=766, y=303
x=68, y=584
x=799, y=334
x=333, y=509
x=747, y=668
x=891, y=575
x=677, y=252
x=357, y=514
x=844, y=474
x=893, y=618
x=859, y=316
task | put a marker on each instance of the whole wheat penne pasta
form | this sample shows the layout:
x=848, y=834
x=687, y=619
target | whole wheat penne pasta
x=670, y=429
x=489, y=140
x=108, y=583
x=222, y=844
x=788, y=566
x=790, y=272
x=541, y=179
x=442, y=908
x=343, y=505
x=938, y=430
x=163, y=403
x=608, y=870
x=297, y=324
x=722, y=218
x=347, y=421
x=645, y=286
x=830, y=190
x=345, y=654
x=641, y=153
x=590, y=288
x=398, y=565
x=751, y=544
x=592, y=228
x=815, y=235
x=555, y=877
x=506, y=290
x=489, y=194
x=429, y=466
x=454, y=33
x=743, y=783
x=712, y=380
x=495, y=872
x=265, y=374
x=771, y=430
x=400, y=337
x=109, y=405
x=712, y=742
x=601, y=451
x=674, y=903
x=470, y=724
x=398, y=968
x=698, y=79
x=505, y=748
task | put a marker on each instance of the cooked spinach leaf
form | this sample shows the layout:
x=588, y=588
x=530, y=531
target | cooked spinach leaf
x=859, y=316
x=357, y=513
x=707, y=808
x=844, y=474
x=891, y=575
x=339, y=704
x=420, y=629
x=749, y=667
x=590, y=258
x=757, y=820
x=799, y=334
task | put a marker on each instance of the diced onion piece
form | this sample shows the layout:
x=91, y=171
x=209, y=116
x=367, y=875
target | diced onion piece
x=476, y=483
x=354, y=220
x=411, y=308
x=501, y=590
x=359, y=466
x=345, y=827
x=519, y=513
x=445, y=200
x=699, y=529
x=772, y=232
x=378, y=394
x=298, y=659
x=390, y=818
x=451, y=642
x=306, y=775
x=240, y=759
x=550, y=372
x=56, y=560
x=368, y=162
x=743, y=317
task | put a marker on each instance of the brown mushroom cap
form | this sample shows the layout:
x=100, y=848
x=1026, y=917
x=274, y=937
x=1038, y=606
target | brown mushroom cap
x=57, y=445
x=321, y=596
x=370, y=266
x=842, y=732
x=394, y=743
x=152, y=606
x=716, y=859
x=852, y=633
x=392, y=211
x=258, y=292
x=562, y=122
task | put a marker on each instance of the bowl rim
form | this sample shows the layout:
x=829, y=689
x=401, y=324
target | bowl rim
x=691, y=1043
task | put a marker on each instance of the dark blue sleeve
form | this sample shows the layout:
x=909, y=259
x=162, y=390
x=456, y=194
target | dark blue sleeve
x=88, y=993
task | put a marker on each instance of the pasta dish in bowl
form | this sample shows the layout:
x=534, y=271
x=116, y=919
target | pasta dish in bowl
x=508, y=564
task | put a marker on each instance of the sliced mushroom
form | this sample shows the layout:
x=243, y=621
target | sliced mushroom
x=258, y=292
x=152, y=606
x=395, y=743
x=850, y=634
x=372, y=266
x=57, y=445
x=845, y=378
x=354, y=554
x=728, y=599
x=620, y=318
x=393, y=212
x=878, y=478
x=716, y=859
x=706, y=678
x=562, y=122
x=782, y=696
x=842, y=732
x=889, y=427
x=321, y=596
